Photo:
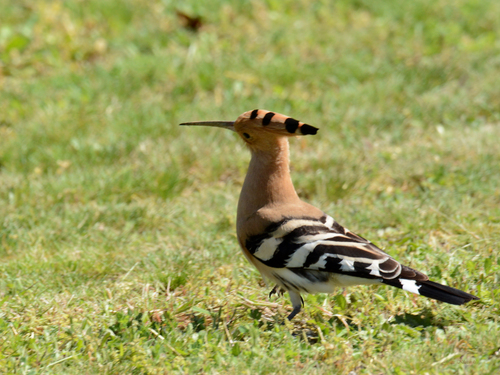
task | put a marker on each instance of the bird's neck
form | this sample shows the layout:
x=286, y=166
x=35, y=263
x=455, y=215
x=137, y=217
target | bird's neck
x=268, y=182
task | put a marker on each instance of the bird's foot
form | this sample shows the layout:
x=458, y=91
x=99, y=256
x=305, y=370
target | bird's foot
x=277, y=290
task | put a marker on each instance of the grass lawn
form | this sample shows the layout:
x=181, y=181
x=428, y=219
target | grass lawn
x=118, y=251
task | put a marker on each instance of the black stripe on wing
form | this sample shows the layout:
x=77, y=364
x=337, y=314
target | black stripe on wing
x=323, y=245
x=286, y=243
x=316, y=226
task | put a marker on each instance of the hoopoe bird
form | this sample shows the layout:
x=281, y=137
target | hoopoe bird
x=296, y=245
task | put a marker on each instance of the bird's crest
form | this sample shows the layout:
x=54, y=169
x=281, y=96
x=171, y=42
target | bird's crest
x=277, y=122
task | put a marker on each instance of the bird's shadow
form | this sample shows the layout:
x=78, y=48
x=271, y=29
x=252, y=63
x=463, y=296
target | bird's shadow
x=424, y=318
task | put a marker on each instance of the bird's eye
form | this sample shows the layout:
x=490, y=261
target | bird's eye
x=246, y=135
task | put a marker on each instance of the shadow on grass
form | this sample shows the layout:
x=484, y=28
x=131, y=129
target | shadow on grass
x=425, y=318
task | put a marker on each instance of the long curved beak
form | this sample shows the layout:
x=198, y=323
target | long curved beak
x=218, y=124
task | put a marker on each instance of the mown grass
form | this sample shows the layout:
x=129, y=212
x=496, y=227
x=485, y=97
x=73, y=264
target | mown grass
x=117, y=240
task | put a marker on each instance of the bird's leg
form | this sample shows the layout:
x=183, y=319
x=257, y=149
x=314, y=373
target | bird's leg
x=277, y=290
x=297, y=303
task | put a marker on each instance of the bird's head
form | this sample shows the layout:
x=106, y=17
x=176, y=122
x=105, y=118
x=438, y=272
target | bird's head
x=260, y=128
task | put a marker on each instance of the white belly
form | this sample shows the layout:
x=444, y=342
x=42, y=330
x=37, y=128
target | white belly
x=311, y=281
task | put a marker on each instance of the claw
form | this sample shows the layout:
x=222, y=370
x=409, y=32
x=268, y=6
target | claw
x=297, y=303
x=276, y=290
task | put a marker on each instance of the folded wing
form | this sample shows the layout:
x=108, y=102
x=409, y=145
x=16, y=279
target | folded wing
x=324, y=245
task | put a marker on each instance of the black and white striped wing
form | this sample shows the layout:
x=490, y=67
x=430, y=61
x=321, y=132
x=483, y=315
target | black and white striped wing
x=307, y=246
x=324, y=245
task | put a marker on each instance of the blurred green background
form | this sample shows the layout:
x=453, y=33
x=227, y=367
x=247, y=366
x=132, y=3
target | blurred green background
x=118, y=251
